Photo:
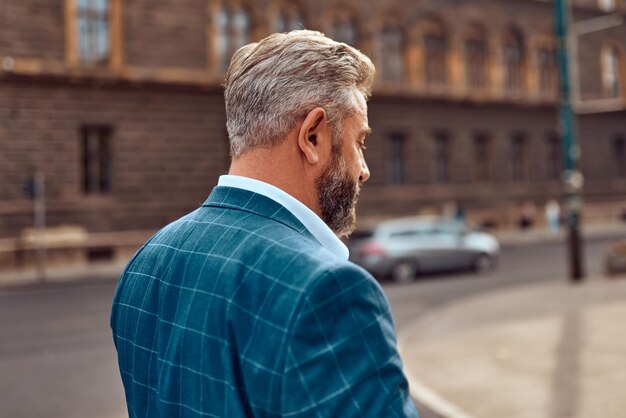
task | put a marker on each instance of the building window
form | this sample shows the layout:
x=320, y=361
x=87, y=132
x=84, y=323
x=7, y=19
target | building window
x=93, y=31
x=482, y=157
x=513, y=56
x=547, y=62
x=519, y=157
x=476, y=62
x=611, y=71
x=241, y=26
x=435, y=58
x=442, y=157
x=345, y=31
x=232, y=31
x=222, y=38
x=397, y=168
x=554, y=157
x=96, y=156
x=391, y=55
x=619, y=156
x=289, y=18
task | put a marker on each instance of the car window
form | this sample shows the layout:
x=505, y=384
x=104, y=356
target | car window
x=451, y=228
x=361, y=234
x=405, y=234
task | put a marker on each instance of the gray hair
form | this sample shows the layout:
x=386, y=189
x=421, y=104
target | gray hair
x=273, y=84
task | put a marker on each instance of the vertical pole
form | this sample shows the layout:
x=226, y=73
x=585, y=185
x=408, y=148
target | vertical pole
x=40, y=223
x=572, y=177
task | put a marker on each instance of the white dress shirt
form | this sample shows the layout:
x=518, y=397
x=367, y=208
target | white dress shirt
x=306, y=216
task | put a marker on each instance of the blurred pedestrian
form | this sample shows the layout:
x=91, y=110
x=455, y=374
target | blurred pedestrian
x=553, y=216
x=459, y=215
x=248, y=306
x=450, y=209
x=528, y=213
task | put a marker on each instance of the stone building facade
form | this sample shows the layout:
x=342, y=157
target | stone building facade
x=119, y=104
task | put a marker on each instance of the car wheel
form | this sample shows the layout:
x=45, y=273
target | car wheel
x=484, y=263
x=404, y=272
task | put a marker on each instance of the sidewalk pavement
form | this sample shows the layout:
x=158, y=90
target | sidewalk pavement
x=549, y=350
x=83, y=273
x=515, y=237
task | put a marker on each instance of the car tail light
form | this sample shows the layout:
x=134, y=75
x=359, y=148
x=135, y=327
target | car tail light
x=372, y=248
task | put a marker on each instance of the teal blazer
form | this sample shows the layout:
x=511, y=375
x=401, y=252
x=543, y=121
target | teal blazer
x=236, y=310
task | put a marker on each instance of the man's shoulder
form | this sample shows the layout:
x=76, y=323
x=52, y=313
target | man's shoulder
x=245, y=228
x=238, y=241
x=218, y=232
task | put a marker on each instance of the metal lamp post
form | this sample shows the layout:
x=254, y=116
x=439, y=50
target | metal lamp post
x=572, y=177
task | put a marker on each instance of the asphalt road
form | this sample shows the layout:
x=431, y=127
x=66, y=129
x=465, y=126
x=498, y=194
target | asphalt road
x=56, y=353
x=57, y=357
x=518, y=265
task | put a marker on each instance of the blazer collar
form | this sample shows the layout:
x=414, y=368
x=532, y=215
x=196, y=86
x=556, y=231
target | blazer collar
x=244, y=200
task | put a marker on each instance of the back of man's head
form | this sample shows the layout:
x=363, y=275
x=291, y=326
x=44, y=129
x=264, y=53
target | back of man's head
x=273, y=84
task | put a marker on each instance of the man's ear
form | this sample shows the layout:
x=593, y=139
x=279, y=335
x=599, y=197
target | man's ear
x=313, y=135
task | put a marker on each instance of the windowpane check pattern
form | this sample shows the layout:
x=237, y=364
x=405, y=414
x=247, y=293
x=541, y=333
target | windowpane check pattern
x=93, y=31
x=235, y=311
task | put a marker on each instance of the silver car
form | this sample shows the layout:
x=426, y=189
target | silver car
x=402, y=248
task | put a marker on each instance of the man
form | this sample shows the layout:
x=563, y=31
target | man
x=248, y=307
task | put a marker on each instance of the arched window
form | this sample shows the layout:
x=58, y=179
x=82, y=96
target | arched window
x=93, y=31
x=514, y=61
x=222, y=37
x=435, y=58
x=232, y=31
x=547, y=68
x=476, y=58
x=288, y=18
x=391, y=54
x=241, y=26
x=435, y=55
x=344, y=30
x=611, y=71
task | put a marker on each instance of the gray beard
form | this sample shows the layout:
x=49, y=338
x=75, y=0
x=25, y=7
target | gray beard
x=338, y=194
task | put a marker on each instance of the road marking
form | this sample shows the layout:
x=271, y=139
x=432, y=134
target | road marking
x=427, y=396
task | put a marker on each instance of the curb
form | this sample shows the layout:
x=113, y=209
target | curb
x=521, y=239
x=433, y=400
x=422, y=392
x=428, y=397
x=59, y=275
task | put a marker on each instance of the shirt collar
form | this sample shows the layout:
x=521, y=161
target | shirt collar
x=309, y=219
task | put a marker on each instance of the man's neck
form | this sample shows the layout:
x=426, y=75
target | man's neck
x=280, y=168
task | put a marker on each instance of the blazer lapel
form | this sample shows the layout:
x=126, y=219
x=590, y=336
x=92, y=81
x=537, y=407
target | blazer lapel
x=244, y=200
